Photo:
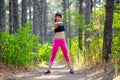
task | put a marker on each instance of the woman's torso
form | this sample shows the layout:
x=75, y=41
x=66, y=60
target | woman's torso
x=60, y=35
x=59, y=31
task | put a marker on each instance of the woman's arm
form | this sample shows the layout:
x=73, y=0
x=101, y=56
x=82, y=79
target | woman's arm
x=56, y=25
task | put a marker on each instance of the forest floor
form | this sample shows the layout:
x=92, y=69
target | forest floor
x=58, y=72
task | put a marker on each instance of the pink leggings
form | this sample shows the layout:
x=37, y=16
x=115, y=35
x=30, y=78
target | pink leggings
x=62, y=44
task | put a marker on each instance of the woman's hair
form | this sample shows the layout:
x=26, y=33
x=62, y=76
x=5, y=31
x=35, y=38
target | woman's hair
x=58, y=14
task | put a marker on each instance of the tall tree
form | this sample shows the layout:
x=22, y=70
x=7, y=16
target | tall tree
x=107, y=42
x=35, y=17
x=24, y=12
x=2, y=16
x=87, y=22
x=64, y=8
x=69, y=27
x=65, y=5
x=2, y=19
x=41, y=19
x=45, y=20
x=30, y=11
x=15, y=16
x=11, y=16
x=80, y=30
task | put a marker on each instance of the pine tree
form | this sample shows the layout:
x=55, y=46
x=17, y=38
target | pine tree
x=107, y=42
x=24, y=12
x=2, y=16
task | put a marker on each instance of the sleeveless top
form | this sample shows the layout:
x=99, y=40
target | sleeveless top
x=59, y=28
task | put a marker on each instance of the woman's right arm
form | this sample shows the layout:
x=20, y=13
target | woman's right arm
x=56, y=25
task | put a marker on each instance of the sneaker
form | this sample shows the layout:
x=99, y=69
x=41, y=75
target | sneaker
x=47, y=72
x=71, y=71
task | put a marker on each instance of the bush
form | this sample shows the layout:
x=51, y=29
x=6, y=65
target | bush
x=44, y=52
x=17, y=48
x=116, y=41
x=116, y=50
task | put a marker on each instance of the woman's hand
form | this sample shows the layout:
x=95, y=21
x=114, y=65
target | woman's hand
x=57, y=24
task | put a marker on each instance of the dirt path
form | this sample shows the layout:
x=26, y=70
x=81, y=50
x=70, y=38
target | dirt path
x=58, y=72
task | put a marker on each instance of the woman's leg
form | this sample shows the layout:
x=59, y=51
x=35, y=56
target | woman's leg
x=64, y=48
x=55, y=47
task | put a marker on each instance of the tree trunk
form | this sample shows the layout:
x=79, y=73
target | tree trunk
x=41, y=20
x=69, y=28
x=35, y=18
x=24, y=12
x=11, y=16
x=64, y=9
x=2, y=20
x=91, y=6
x=87, y=22
x=15, y=16
x=2, y=16
x=30, y=12
x=80, y=30
x=64, y=12
x=107, y=42
x=45, y=21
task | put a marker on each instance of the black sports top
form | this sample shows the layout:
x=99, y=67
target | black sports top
x=59, y=28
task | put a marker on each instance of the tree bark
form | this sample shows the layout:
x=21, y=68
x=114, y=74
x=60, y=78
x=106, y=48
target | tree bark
x=45, y=21
x=2, y=16
x=24, y=12
x=35, y=18
x=41, y=20
x=87, y=22
x=69, y=28
x=11, y=16
x=2, y=19
x=30, y=12
x=15, y=16
x=91, y=6
x=64, y=12
x=80, y=30
x=107, y=41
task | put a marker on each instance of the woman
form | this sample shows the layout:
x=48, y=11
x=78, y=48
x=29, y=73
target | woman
x=59, y=41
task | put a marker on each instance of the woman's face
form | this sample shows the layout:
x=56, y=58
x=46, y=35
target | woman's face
x=58, y=18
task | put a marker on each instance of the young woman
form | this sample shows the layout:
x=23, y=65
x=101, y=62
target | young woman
x=59, y=41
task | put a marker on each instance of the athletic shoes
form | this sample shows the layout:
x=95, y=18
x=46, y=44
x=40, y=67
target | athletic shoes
x=71, y=71
x=47, y=72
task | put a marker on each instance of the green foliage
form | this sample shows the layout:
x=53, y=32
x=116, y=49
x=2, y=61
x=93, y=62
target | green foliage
x=44, y=52
x=97, y=22
x=117, y=8
x=116, y=21
x=17, y=48
x=115, y=52
x=77, y=57
x=77, y=19
x=116, y=39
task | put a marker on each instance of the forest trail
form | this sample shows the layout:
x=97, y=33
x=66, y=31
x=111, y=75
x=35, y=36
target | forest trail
x=58, y=72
